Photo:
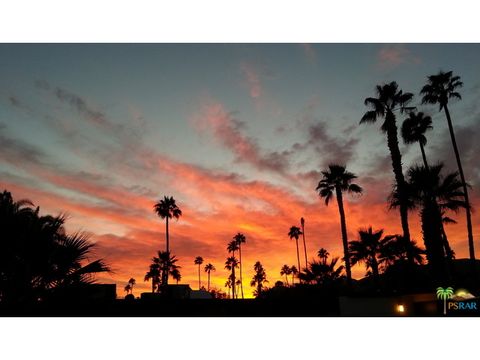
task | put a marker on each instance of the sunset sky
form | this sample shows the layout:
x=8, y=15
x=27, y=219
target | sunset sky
x=237, y=134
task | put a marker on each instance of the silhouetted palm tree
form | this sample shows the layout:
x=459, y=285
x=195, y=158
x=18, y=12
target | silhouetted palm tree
x=240, y=239
x=338, y=180
x=228, y=284
x=131, y=284
x=176, y=275
x=167, y=209
x=294, y=233
x=413, y=131
x=394, y=251
x=259, y=279
x=232, y=247
x=285, y=270
x=440, y=88
x=38, y=257
x=231, y=264
x=199, y=261
x=208, y=269
x=389, y=100
x=302, y=224
x=322, y=273
x=165, y=265
x=127, y=288
x=368, y=250
x=434, y=194
x=294, y=271
x=153, y=274
x=323, y=254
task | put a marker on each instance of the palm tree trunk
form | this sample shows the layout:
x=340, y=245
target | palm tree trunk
x=376, y=275
x=166, y=235
x=165, y=272
x=241, y=279
x=423, y=156
x=298, y=253
x=208, y=280
x=286, y=279
x=392, y=142
x=343, y=225
x=293, y=279
x=304, y=246
x=471, y=247
x=199, y=283
x=233, y=282
x=448, y=249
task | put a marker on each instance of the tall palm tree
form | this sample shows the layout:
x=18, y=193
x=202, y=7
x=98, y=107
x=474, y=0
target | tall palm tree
x=440, y=88
x=413, y=131
x=259, y=279
x=388, y=101
x=167, y=209
x=368, y=250
x=231, y=264
x=199, y=261
x=240, y=239
x=338, y=180
x=323, y=254
x=294, y=233
x=285, y=270
x=208, y=269
x=302, y=223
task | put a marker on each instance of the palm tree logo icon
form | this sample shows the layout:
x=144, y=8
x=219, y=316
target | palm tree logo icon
x=444, y=294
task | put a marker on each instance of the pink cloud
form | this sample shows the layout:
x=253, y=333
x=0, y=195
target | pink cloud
x=253, y=80
x=230, y=132
x=391, y=56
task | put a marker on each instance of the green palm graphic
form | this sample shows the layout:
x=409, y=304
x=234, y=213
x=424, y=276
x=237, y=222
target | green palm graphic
x=444, y=294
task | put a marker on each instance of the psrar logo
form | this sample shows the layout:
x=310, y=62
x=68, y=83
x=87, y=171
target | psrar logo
x=459, y=301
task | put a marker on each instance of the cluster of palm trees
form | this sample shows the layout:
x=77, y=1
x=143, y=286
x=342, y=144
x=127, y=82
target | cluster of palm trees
x=38, y=258
x=425, y=188
x=259, y=279
x=208, y=269
x=422, y=187
x=322, y=272
x=232, y=263
x=289, y=270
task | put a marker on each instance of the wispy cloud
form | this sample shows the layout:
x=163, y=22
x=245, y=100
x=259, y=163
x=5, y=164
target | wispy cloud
x=77, y=103
x=252, y=77
x=392, y=56
x=230, y=132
